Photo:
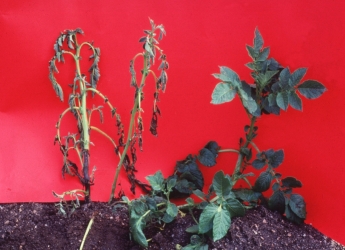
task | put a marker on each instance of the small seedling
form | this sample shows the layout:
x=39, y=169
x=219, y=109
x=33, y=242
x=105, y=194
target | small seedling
x=274, y=89
x=79, y=106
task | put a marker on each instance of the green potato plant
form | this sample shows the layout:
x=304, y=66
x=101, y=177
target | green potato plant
x=274, y=88
x=84, y=89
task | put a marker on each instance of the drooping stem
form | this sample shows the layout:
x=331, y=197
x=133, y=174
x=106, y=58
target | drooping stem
x=130, y=130
x=87, y=232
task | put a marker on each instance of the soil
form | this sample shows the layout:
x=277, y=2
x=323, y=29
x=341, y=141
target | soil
x=38, y=226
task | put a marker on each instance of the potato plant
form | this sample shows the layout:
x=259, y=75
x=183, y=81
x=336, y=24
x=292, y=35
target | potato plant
x=274, y=88
x=84, y=88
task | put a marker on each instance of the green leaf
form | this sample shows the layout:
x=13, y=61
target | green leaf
x=190, y=201
x=295, y=101
x=229, y=76
x=156, y=180
x=193, y=229
x=139, y=207
x=221, y=184
x=284, y=77
x=251, y=52
x=167, y=218
x=276, y=159
x=200, y=194
x=311, y=89
x=297, y=76
x=223, y=92
x=277, y=201
x=264, y=79
x=263, y=55
x=247, y=101
x=171, y=209
x=221, y=223
x=263, y=182
x=258, y=41
x=258, y=164
x=206, y=218
x=297, y=205
x=291, y=182
x=283, y=100
x=206, y=157
x=235, y=207
x=171, y=183
x=195, y=239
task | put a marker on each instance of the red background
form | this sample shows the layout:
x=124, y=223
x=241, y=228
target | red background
x=200, y=37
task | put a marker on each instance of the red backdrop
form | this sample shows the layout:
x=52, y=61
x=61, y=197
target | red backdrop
x=200, y=37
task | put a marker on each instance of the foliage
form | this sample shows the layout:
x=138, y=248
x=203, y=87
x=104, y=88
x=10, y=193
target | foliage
x=274, y=89
x=67, y=44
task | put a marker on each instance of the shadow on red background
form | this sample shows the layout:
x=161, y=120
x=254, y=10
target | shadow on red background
x=200, y=37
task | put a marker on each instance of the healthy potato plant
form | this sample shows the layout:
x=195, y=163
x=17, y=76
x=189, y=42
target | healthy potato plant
x=274, y=88
x=83, y=89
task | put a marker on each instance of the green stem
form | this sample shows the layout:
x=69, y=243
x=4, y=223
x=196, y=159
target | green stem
x=256, y=147
x=240, y=156
x=130, y=130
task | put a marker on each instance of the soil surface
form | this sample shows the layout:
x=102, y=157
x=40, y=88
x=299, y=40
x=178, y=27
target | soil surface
x=38, y=226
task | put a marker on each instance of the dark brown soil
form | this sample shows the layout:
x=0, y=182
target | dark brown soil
x=38, y=226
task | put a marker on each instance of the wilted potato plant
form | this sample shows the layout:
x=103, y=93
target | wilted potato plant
x=84, y=88
x=274, y=88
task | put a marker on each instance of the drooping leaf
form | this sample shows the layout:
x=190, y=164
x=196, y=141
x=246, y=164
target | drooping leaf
x=283, y=100
x=290, y=215
x=297, y=205
x=221, y=223
x=222, y=93
x=189, y=165
x=263, y=182
x=295, y=101
x=206, y=157
x=137, y=225
x=277, y=201
x=213, y=147
x=156, y=180
x=247, y=195
x=276, y=159
x=311, y=89
x=206, y=218
x=235, y=207
x=291, y=182
x=221, y=184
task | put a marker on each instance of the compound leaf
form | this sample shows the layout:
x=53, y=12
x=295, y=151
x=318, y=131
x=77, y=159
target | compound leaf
x=221, y=184
x=283, y=100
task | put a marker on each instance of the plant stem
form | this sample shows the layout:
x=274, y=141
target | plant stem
x=87, y=232
x=228, y=150
x=256, y=147
x=130, y=130
x=240, y=156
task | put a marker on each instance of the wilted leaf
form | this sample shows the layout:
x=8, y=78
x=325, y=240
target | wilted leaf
x=206, y=157
x=277, y=201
